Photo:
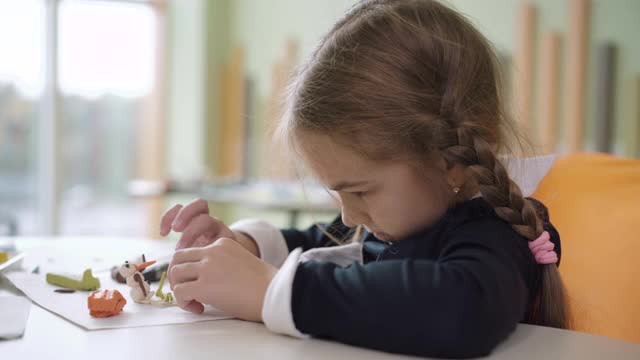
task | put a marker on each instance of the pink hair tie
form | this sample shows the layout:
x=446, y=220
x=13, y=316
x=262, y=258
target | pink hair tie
x=542, y=249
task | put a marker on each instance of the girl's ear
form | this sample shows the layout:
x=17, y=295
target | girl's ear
x=456, y=176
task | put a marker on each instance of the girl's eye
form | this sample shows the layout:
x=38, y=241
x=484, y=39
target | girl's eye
x=360, y=193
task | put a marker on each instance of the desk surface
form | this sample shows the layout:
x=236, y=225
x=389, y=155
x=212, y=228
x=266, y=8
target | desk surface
x=49, y=336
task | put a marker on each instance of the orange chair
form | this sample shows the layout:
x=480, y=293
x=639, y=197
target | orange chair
x=594, y=202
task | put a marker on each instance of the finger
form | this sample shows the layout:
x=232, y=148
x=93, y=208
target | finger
x=193, y=209
x=195, y=307
x=185, y=293
x=182, y=273
x=167, y=219
x=181, y=257
x=189, y=255
x=227, y=243
x=199, y=225
x=201, y=241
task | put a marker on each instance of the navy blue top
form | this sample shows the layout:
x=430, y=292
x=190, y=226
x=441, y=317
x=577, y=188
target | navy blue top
x=455, y=289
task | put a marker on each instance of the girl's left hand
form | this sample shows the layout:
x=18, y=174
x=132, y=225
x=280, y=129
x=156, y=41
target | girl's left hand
x=224, y=275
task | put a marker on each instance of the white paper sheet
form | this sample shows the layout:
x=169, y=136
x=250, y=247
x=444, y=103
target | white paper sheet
x=73, y=307
x=14, y=313
x=14, y=262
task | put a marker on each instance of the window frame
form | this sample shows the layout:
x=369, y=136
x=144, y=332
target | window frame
x=48, y=168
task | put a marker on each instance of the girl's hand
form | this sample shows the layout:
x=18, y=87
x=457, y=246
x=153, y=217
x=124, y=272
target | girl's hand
x=224, y=275
x=198, y=228
x=195, y=224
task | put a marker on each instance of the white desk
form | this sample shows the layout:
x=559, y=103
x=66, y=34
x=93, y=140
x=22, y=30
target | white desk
x=50, y=337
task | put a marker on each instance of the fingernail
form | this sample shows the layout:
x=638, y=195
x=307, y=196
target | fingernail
x=176, y=223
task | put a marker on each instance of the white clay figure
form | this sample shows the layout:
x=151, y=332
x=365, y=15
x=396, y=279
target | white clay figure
x=140, y=289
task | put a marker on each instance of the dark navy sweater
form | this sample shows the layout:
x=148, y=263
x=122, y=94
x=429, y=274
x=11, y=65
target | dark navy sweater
x=456, y=289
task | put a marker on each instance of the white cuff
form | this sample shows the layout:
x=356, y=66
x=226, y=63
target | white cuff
x=271, y=243
x=277, y=314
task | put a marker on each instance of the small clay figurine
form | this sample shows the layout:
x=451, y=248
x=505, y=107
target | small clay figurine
x=87, y=282
x=105, y=303
x=140, y=290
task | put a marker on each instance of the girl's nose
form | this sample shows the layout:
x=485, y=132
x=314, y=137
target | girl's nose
x=346, y=220
x=352, y=216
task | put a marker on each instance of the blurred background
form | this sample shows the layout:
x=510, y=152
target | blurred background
x=113, y=110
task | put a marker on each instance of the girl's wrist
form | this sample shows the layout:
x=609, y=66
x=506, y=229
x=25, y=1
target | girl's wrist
x=269, y=273
x=247, y=242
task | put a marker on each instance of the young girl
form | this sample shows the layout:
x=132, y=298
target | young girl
x=436, y=252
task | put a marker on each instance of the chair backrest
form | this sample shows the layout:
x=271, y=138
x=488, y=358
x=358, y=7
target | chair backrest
x=594, y=202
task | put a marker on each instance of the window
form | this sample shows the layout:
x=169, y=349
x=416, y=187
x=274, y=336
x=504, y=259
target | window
x=21, y=90
x=104, y=86
x=106, y=70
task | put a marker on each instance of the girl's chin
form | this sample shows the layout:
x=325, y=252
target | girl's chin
x=382, y=236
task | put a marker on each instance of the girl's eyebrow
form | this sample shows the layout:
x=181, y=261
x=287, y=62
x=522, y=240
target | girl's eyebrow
x=347, y=184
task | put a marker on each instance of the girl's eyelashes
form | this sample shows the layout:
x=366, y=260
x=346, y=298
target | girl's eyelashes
x=368, y=192
x=358, y=194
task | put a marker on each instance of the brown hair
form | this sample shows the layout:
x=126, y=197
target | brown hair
x=413, y=77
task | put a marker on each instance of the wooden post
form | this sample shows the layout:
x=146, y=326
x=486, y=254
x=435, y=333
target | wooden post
x=576, y=73
x=232, y=117
x=548, y=95
x=605, y=99
x=277, y=160
x=523, y=67
x=633, y=144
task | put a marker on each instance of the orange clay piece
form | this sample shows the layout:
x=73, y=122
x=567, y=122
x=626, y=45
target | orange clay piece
x=144, y=265
x=105, y=303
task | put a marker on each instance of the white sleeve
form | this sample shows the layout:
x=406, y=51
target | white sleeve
x=271, y=243
x=277, y=314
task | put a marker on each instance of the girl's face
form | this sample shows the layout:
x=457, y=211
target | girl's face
x=391, y=199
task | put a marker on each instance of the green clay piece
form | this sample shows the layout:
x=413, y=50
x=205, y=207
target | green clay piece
x=168, y=298
x=87, y=283
x=159, y=292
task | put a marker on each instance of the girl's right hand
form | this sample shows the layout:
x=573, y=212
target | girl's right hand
x=198, y=228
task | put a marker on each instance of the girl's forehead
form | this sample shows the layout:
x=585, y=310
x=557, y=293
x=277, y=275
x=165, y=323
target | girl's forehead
x=331, y=161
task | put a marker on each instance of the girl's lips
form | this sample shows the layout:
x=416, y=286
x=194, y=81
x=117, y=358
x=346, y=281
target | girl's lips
x=381, y=236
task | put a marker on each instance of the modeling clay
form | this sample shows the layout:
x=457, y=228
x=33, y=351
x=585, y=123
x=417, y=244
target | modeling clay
x=4, y=256
x=87, y=283
x=105, y=303
x=159, y=292
x=64, y=291
x=140, y=290
x=168, y=297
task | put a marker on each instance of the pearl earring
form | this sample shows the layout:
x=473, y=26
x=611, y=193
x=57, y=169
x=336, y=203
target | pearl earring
x=456, y=190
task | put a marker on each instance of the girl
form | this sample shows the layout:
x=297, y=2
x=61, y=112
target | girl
x=436, y=252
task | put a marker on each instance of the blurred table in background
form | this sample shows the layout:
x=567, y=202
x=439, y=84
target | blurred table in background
x=293, y=198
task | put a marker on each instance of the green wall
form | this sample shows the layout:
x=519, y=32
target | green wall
x=263, y=26
x=202, y=32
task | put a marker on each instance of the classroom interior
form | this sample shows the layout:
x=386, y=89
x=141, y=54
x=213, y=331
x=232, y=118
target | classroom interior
x=111, y=111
